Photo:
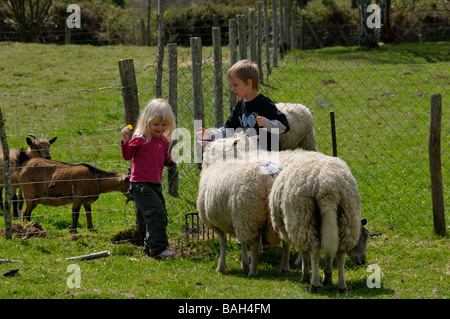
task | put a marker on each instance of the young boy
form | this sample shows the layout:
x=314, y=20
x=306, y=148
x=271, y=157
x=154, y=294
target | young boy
x=253, y=110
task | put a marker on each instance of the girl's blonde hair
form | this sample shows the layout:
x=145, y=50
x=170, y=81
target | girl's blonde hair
x=159, y=110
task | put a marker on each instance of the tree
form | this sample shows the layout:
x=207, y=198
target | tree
x=367, y=34
x=29, y=16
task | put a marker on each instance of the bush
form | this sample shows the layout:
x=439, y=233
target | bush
x=197, y=21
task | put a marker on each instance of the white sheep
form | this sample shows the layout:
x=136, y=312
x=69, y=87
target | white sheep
x=233, y=196
x=301, y=133
x=315, y=203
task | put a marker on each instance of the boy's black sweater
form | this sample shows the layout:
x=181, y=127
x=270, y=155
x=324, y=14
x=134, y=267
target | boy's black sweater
x=260, y=105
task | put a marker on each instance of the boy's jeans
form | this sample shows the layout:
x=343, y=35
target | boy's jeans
x=149, y=199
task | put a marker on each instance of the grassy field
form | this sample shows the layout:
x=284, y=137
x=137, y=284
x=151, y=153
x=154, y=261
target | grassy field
x=381, y=99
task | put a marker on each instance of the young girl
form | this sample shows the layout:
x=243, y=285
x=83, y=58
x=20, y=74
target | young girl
x=148, y=151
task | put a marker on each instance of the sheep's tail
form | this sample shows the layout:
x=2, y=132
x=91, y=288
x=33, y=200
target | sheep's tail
x=329, y=231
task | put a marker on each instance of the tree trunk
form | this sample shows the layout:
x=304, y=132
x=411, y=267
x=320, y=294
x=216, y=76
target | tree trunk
x=385, y=6
x=368, y=38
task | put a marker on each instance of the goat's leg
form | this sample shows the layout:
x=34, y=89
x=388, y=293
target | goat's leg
x=244, y=258
x=328, y=271
x=315, y=258
x=298, y=261
x=87, y=212
x=75, y=215
x=284, y=264
x=340, y=258
x=26, y=213
x=15, y=206
x=1, y=198
x=222, y=266
x=256, y=252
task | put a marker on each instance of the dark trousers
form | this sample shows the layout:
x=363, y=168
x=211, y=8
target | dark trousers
x=149, y=200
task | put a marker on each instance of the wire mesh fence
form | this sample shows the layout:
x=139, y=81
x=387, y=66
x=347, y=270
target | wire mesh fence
x=381, y=101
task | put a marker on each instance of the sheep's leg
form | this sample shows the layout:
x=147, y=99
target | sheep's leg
x=284, y=264
x=328, y=271
x=340, y=258
x=75, y=215
x=87, y=212
x=256, y=252
x=221, y=267
x=244, y=259
x=14, y=201
x=305, y=267
x=315, y=259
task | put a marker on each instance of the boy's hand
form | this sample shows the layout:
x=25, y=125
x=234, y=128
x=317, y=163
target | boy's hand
x=126, y=133
x=260, y=120
x=203, y=134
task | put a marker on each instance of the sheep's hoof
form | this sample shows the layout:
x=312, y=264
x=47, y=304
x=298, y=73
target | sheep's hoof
x=327, y=280
x=313, y=289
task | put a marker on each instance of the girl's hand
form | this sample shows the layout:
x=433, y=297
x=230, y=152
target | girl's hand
x=260, y=120
x=126, y=133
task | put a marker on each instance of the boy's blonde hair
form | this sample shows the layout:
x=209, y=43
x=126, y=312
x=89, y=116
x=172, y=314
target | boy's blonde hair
x=158, y=110
x=245, y=70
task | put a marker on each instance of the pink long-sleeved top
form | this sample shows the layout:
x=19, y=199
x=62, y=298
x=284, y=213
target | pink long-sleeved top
x=147, y=159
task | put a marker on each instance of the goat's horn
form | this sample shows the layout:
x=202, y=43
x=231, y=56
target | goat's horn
x=42, y=135
x=32, y=135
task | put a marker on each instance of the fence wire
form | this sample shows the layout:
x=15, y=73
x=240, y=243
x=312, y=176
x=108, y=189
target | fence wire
x=381, y=102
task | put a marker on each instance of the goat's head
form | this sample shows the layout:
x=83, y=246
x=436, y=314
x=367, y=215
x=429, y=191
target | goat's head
x=40, y=147
x=125, y=186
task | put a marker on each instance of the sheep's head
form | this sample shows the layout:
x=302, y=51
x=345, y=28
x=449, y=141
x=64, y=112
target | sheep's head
x=229, y=150
x=358, y=253
x=39, y=147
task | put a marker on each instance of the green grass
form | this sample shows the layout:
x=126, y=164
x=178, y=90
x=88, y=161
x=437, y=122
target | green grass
x=381, y=100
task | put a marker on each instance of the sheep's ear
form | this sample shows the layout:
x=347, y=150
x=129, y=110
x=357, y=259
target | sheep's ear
x=363, y=221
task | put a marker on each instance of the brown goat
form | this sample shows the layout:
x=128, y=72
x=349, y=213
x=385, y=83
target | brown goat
x=37, y=148
x=54, y=183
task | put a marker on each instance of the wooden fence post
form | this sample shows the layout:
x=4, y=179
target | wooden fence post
x=267, y=36
x=172, y=60
x=333, y=133
x=242, y=36
x=218, y=78
x=233, y=53
x=275, y=33
x=196, y=55
x=6, y=179
x=160, y=58
x=259, y=40
x=434, y=148
x=251, y=33
x=131, y=106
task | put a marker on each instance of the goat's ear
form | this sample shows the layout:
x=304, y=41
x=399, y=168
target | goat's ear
x=53, y=140
x=30, y=142
x=363, y=221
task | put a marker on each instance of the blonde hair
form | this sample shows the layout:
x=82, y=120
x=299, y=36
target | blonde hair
x=156, y=110
x=245, y=70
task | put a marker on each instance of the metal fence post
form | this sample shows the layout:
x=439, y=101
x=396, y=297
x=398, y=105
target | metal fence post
x=434, y=148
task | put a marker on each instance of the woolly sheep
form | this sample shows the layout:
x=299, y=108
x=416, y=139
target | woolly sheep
x=315, y=203
x=301, y=133
x=234, y=187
